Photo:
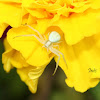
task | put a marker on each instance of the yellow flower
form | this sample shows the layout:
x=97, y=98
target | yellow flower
x=29, y=74
x=77, y=21
x=78, y=74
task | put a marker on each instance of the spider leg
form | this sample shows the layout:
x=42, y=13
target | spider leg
x=35, y=31
x=47, y=50
x=43, y=46
x=56, y=53
x=55, y=45
x=48, y=33
x=59, y=42
x=30, y=35
x=44, y=37
x=62, y=55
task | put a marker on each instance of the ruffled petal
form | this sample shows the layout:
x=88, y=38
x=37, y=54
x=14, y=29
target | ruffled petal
x=39, y=13
x=83, y=60
x=78, y=26
x=3, y=26
x=6, y=60
x=10, y=14
x=27, y=3
x=16, y=1
x=11, y=58
x=30, y=76
x=31, y=20
x=95, y=4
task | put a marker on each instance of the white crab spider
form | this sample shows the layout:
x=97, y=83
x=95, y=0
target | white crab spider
x=54, y=37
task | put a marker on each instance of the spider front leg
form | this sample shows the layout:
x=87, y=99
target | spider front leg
x=26, y=35
x=36, y=31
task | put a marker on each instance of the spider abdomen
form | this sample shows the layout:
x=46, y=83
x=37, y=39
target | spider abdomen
x=54, y=37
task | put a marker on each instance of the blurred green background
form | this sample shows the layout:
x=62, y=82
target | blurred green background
x=49, y=88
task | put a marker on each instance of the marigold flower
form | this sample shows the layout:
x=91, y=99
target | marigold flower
x=29, y=74
x=77, y=21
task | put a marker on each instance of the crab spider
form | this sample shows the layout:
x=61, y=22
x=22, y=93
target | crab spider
x=54, y=37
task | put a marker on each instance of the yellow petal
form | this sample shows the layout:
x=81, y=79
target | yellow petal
x=3, y=26
x=31, y=20
x=17, y=1
x=79, y=9
x=30, y=48
x=44, y=23
x=30, y=76
x=95, y=4
x=17, y=60
x=38, y=13
x=6, y=56
x=27, y=3
x=10, y=14
x=25, y=19
x=83, y=60
x=6, y=60
x=78, y=26
x=12, y=57
x=97, y=43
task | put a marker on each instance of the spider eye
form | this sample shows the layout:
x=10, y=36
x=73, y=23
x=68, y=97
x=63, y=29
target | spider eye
x=54, y=36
